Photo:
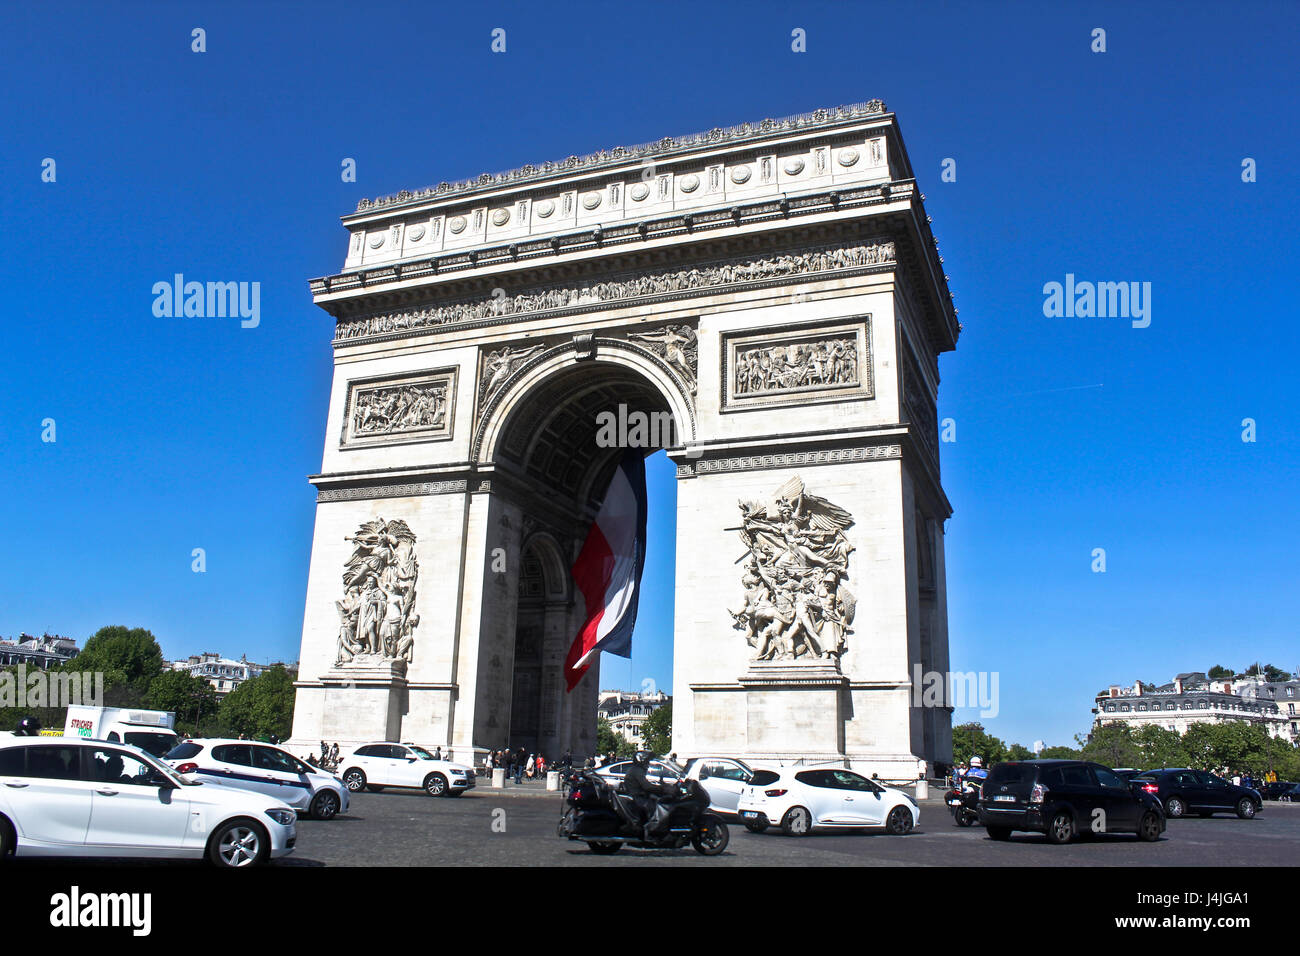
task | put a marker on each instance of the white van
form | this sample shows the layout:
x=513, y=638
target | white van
x=153, y=731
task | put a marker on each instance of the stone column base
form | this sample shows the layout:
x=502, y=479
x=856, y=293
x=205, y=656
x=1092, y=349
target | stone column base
x=794, y=707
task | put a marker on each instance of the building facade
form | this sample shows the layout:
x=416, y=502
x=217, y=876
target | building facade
x=773, y=292
x=1193, y=698
x=627, y=712
x=43, y=652
x=221, y=673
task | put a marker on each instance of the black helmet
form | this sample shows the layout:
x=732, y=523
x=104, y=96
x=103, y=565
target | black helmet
x=28, y=727
x=642, y=757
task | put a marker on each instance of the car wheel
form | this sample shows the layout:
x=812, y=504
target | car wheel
x=1245, y=808
x=963, y=820
x=998, y=833
x=1175, y=808
x=436, y=785
x=239, y=844
x=711, y=837
x=1061, y=829
x=325, y=805
x=899, y=821
x=796, y=822
x=7, y=840
x=374, y=789
x=605, y=849
x=755, y=827
x=1149, y=827
x=354, y=780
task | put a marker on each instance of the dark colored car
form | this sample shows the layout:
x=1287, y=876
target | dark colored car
x=1284, y=790
x=1062, y=798
x=1182, y=791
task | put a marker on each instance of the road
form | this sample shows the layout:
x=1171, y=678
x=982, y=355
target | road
x=497, y=828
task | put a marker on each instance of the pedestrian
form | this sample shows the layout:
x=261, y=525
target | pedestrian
x=541, y=765
x=437, y=752
x=531, y=768
x=519, y=766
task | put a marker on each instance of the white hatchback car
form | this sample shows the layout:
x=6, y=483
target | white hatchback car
x=380, y=765
x=798, y=800
x=262, y=768
x=61, y=797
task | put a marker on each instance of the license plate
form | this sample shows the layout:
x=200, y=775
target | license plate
x=954, y=803
x=1004, y=799
x=749, y=814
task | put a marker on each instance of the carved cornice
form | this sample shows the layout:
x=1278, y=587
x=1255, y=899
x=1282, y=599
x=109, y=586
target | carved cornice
x=661, y=149
x=795, y=459
x=382, y=490
x=625, y=288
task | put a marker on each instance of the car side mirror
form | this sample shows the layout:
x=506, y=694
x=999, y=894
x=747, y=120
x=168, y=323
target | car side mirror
x=160, y=780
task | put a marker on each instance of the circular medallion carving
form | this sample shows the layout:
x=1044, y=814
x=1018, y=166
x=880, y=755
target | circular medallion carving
x=639, y=192
x=591, y=200
x=500, y=217
x=848, y=157
x=741, y=174
x=376, y=241
x=690, y=183
x=793, y=167
x=457, y=224
x=416, y=233
x=545, y=208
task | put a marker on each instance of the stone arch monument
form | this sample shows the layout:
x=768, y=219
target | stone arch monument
x=773, y=294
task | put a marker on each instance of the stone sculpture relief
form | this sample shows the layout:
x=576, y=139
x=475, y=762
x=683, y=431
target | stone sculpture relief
x=698, y=277
x=820, y=363
x=401, y=408
x=675, y=344
x=797, y=606
x=375, y=620
x=498, y=366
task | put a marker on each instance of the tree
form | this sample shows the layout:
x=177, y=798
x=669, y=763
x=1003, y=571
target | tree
x=658, y=729
x=261, y=708
x=1059, y=752
x=971, y=740
x=1019, y=752
x=1111, y=745
x=129, y=659
x=190, y=698
x=1218, y=672
x=1159, y=747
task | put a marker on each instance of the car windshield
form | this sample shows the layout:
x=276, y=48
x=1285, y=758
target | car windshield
x=165, y=771
x=421, y=753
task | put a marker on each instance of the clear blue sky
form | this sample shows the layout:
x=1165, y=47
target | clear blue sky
x=176, y=434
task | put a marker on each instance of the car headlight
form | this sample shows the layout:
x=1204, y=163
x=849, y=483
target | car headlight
x=285, y=818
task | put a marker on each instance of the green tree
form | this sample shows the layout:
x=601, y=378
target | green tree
x=1218, y=672
x=1158, y=747
x=971, y=740
x=129, y=659
x=1111, y=745
x=190, y=698
x=261, y=708
x=1019, y=752
x=1059, y=752
x=658, y=729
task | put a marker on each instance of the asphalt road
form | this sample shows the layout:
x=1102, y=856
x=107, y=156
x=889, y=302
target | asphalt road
x=411, y=829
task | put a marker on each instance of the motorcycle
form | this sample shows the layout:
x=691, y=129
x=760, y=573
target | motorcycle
x=608, y=820
x=963, y=802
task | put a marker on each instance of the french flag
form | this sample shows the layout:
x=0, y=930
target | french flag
x=608, y=570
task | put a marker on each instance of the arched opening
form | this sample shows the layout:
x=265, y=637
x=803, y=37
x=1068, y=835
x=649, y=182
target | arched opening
x=555, y=454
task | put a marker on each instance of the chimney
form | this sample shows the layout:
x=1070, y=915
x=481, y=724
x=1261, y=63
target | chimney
x=1178, y=685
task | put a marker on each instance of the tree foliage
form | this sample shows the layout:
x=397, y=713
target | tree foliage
x=971, y=740
x=658, y=729
x=261, y=708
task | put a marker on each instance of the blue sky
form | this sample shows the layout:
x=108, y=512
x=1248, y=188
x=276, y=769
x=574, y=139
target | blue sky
x=1072, y=434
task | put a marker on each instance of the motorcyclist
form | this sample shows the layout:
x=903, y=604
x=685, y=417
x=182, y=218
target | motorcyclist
x=645, y=793
x=973, y=779
x=28, y=727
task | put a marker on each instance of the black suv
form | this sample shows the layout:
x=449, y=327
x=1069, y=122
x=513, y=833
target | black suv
x=1062, y=798
x=1182, y=791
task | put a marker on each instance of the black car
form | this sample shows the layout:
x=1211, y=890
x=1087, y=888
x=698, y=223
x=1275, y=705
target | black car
x=1062, y=798
x=1182, y=791
x=1283, y=790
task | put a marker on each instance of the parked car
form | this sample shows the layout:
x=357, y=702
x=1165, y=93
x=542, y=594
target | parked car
x=1128, y=773
x=1064, y=798
x=801, y=800
x=380, y=765
x=261, y=768
x=73, y=798
x=660, y=771
x=1182, y=791
x=723, y=777
x=1284, y=790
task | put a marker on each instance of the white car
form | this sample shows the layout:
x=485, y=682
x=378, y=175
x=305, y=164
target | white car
x=800, y=799
x=64, y=797
x=724, y=778
x=261, y=768
x=660, y=771
x=380, y=765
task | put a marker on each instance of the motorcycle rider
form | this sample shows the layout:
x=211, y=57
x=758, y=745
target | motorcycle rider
x=645, y=793
x=973, y=779
x=28, y=727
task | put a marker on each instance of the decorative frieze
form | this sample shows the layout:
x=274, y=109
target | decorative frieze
x=405, y=490
x=396, y=409
x=797, y=459
x=699, y=278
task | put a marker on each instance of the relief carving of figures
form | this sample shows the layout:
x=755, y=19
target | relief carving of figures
x=677, y=345
x=498, y=366
x=382, y=411
x=797, y=606
x=699, y=277
x=824, y=363
x=375, y=619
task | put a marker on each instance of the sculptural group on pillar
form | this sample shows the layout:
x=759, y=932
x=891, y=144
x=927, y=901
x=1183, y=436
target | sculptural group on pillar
x=375, y=619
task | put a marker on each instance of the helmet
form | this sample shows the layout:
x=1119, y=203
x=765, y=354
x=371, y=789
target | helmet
x=28, y=727
x=642, y=757
x=976, y=762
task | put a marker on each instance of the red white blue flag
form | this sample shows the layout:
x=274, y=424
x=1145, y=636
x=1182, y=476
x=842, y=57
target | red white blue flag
x=608, y=570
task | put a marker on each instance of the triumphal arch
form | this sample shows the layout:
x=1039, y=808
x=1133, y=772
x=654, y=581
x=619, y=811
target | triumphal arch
x=776, y=289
